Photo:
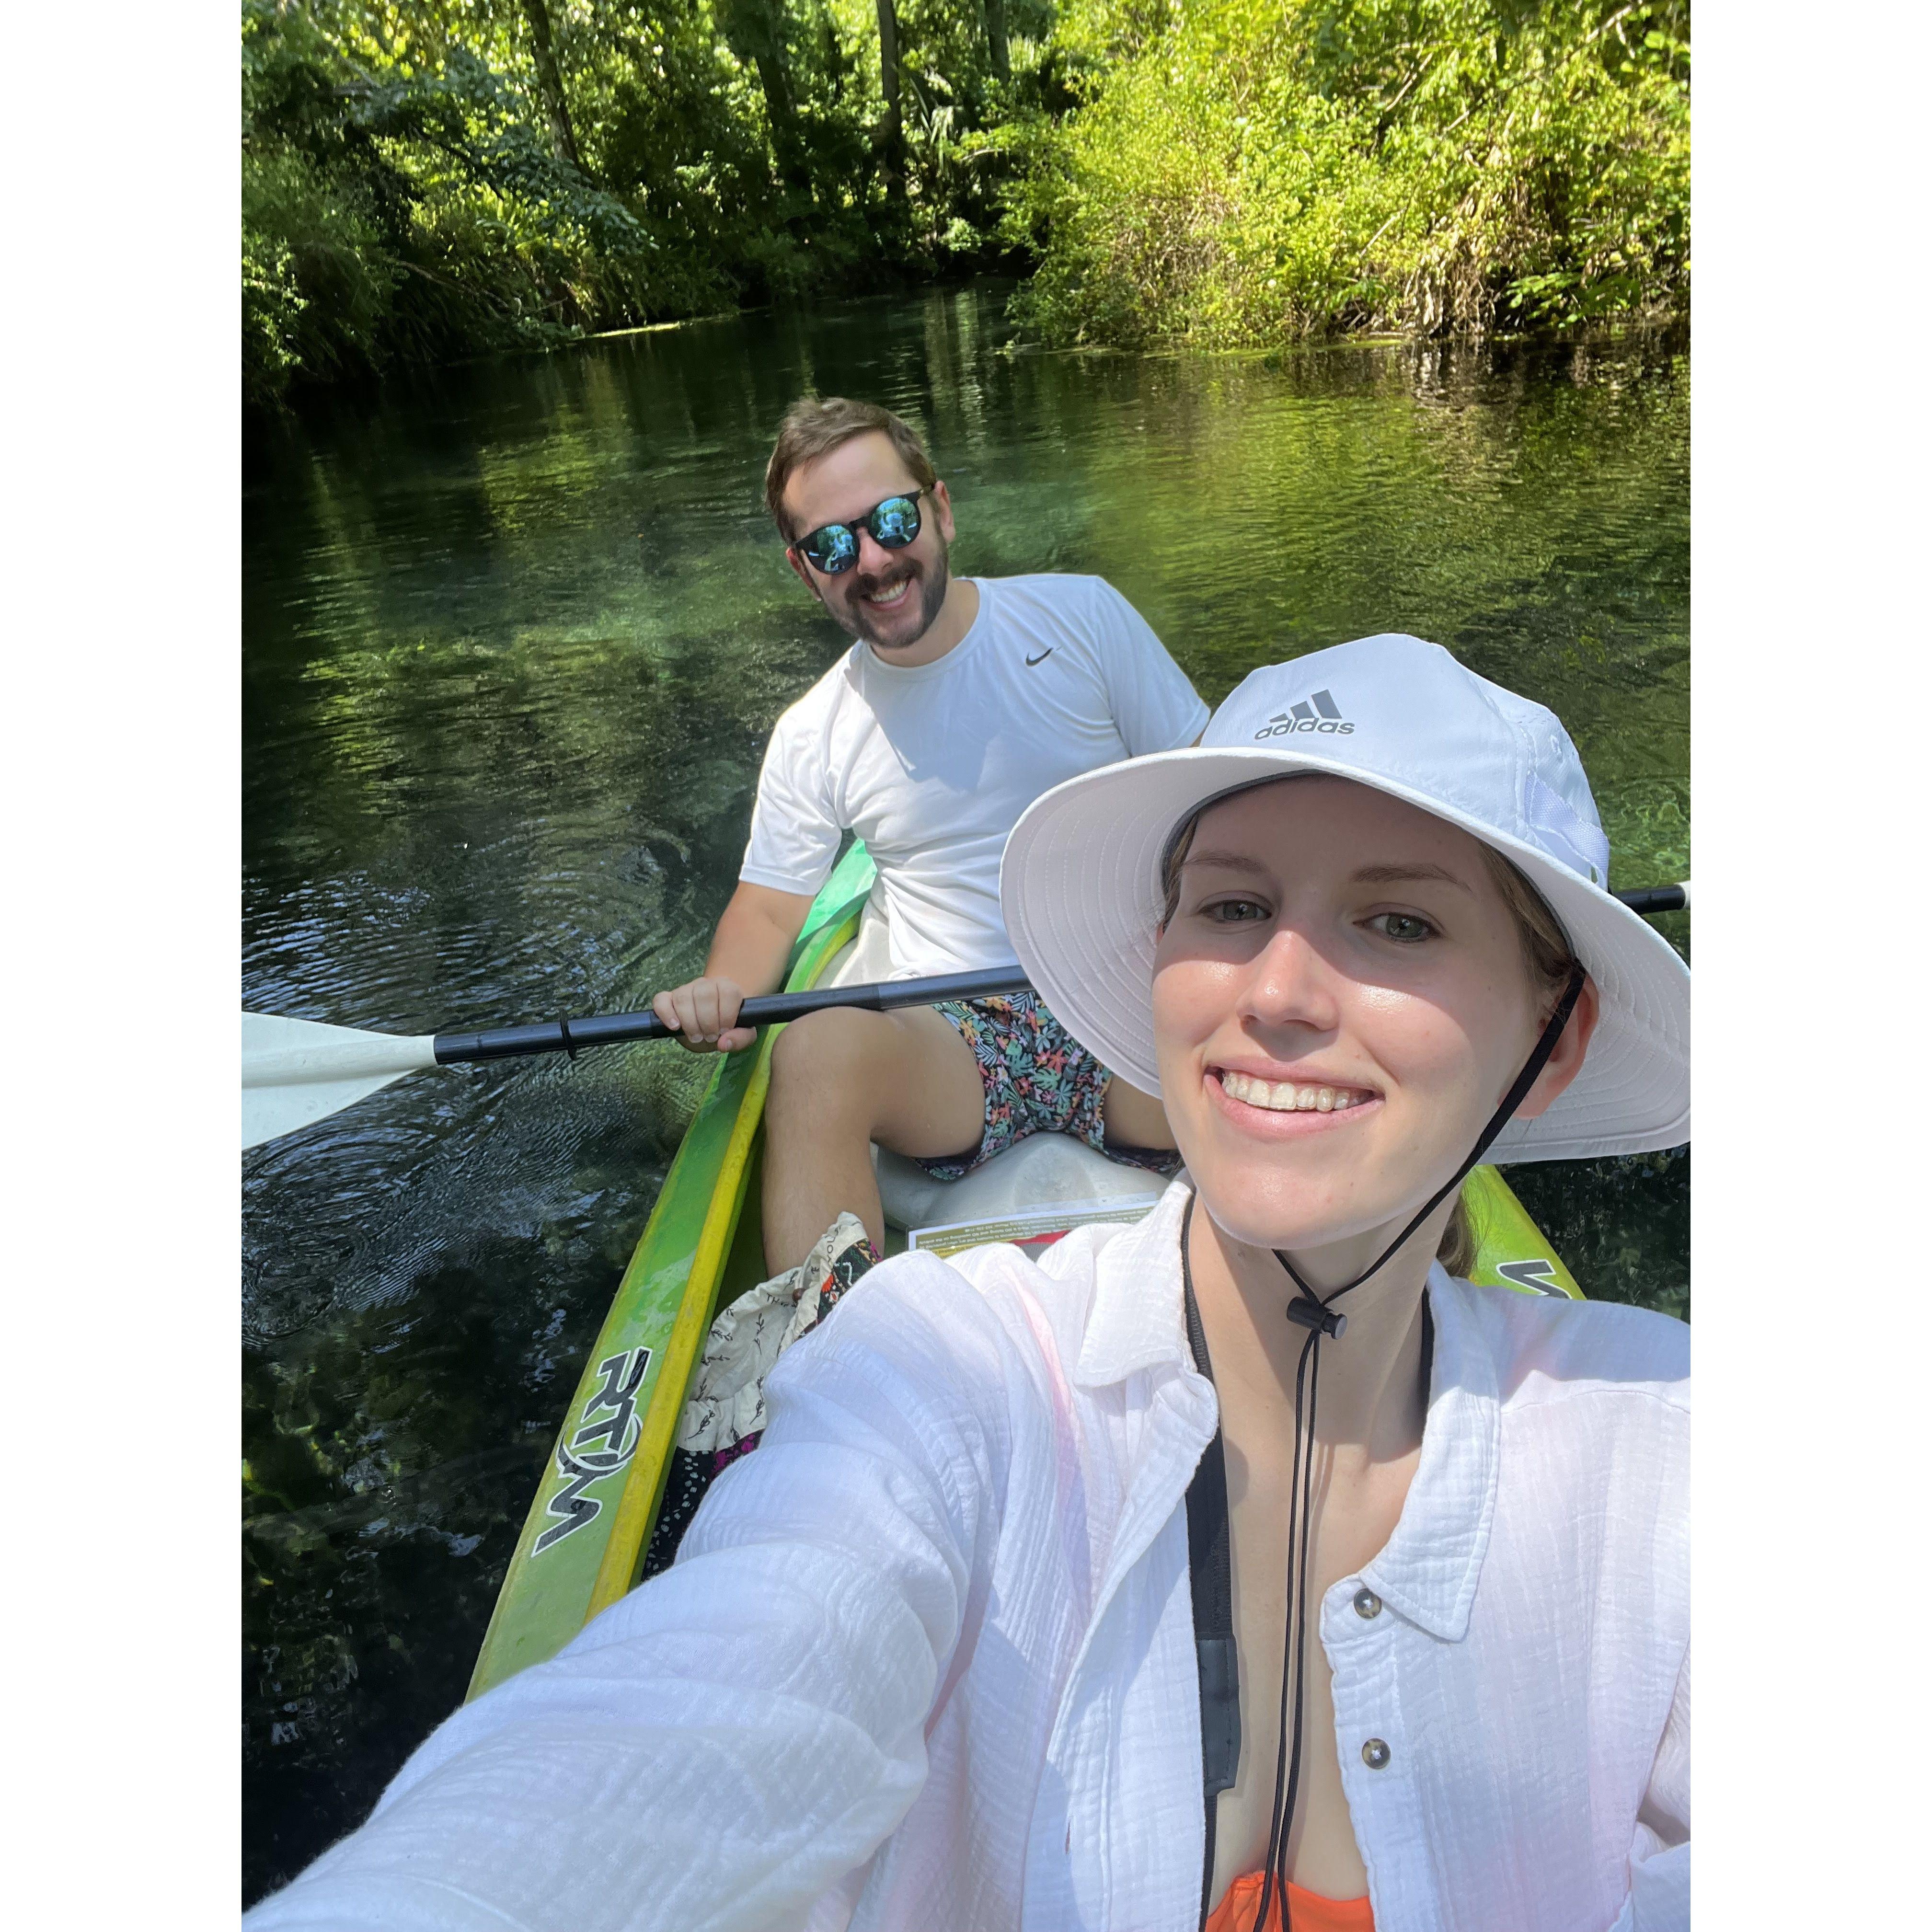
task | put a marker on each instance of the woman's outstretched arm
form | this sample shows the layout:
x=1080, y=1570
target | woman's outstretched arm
x=735, y=1736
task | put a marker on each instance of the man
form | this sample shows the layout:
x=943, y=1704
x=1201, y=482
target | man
x=962, y=701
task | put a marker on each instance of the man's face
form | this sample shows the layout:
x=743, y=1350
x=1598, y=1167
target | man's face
x=889, y=598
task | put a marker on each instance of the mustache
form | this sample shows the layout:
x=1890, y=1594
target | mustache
x=865, y=584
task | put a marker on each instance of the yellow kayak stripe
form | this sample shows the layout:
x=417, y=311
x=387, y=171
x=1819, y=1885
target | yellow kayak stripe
x=644, y=1484
x=636, y=1507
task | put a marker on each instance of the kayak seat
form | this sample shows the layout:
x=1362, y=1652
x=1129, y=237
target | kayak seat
x=1045, y=1170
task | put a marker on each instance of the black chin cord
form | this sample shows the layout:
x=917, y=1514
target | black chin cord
x=1318, y=1314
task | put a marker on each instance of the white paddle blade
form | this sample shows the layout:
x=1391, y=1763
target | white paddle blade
x=296, y=1071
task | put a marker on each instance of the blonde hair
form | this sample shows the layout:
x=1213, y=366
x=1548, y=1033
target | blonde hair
x=815, y=426
x=1547, y=954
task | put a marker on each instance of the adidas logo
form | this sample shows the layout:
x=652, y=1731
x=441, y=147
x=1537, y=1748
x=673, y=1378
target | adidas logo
x=1317, y=713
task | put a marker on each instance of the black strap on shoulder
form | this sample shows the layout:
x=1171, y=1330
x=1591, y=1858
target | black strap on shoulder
x=1211, y=1578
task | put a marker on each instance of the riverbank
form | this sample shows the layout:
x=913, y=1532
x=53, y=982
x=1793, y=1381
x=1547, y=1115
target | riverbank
x=1216, y=174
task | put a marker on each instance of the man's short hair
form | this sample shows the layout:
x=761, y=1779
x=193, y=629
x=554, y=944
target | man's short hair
x=815, y=426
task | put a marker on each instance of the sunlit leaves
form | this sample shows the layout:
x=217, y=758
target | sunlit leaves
x=1249, y=171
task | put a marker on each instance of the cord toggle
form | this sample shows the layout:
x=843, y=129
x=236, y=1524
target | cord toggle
x=1313, y=1314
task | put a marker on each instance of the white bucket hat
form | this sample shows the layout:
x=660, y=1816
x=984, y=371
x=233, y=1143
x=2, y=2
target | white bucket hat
x=1080, y=884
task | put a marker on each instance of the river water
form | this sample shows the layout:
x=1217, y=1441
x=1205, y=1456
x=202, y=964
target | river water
x=514, y=639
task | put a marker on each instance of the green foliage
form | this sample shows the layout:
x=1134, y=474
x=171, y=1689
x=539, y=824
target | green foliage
x=424, y=179
x=1253, y=171
x=403, y=208
x=407, y=195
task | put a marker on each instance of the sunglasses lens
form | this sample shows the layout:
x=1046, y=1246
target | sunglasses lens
x=831, y=550
x=895, y=522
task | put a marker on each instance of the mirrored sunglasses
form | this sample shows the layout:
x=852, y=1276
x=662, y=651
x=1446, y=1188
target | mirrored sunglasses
x=835, y=548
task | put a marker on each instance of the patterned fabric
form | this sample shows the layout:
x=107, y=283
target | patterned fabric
x=727, y=1401
x=724, y=1415
x=1038, y=1080
x=852, y=1262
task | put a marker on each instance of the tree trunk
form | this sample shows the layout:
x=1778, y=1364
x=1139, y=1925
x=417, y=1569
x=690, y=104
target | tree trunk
x=996, y=40
x=891, y=131
x=754, y=31
x=550, y=85
x=774, y=78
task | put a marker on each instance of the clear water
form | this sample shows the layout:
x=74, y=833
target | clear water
x=514, y=640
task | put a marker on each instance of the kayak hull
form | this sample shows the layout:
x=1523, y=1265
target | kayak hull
x=583, y=1541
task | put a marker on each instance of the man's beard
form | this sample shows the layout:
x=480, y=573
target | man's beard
x=929, y=587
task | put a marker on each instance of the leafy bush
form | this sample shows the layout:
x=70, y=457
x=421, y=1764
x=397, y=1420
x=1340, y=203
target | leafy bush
x=1252, y=171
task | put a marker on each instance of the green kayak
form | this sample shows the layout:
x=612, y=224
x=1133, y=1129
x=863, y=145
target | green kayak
x=584, y=1544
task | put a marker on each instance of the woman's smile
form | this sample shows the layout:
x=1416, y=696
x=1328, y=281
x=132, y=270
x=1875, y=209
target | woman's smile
x=1276, y=1108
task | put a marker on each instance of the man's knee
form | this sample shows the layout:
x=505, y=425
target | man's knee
x=818, y=1066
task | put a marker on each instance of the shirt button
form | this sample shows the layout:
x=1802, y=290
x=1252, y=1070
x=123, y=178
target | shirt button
x=1375, y=1754
x=1367, y=1603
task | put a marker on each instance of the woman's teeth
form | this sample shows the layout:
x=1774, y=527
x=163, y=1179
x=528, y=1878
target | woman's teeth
x=1284, y=1097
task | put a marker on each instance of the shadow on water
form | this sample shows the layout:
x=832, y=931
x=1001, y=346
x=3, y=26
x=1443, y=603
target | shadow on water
x=514, y=640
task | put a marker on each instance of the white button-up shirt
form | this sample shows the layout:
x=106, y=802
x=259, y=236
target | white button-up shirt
x=927, y=1657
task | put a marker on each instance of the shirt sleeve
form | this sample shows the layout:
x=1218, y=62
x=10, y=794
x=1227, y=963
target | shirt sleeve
x=795, y=832
x=1660, y=1893
x=1154, y=705
x=740, y=1734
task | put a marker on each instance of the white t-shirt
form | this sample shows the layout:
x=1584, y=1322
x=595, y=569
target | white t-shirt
x=932, y=765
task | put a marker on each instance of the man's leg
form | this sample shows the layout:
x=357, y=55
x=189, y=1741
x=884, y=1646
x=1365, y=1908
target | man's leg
x=1134, y=1119
x=841, y=1079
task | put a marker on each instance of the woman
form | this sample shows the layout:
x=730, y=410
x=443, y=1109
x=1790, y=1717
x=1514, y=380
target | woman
x=999, y=1628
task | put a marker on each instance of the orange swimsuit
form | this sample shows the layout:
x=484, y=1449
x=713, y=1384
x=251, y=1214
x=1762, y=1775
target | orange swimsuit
x=1312, y=1912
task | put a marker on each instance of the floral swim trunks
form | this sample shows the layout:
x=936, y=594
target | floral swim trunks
x=1038, y=1080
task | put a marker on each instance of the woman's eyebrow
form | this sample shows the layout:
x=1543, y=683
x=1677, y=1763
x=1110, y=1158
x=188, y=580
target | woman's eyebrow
x=1368, y=875
x=1228, y=861
x=1406, y=875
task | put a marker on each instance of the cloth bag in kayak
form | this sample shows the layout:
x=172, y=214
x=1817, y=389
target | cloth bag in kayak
x=727, y=1401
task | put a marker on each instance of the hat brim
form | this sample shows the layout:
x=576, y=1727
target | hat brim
x=1081, y=891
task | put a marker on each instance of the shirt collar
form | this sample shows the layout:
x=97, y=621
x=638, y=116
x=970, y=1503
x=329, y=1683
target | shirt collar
x=1428, y=1570
x=1136, y=1319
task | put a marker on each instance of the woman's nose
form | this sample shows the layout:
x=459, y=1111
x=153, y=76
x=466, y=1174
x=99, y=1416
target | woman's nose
x=1290, y=984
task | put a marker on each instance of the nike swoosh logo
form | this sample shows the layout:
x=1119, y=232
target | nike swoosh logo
x=1041, y=659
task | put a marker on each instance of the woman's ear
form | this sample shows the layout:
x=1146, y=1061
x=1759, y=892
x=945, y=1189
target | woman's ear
x=1567, y=1061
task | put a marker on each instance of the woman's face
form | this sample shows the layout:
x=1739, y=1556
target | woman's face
x=1340, y=1002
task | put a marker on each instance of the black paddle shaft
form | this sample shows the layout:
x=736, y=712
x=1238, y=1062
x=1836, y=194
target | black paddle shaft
x=1654, y=899
x=770, y=1008
x=608, y=1029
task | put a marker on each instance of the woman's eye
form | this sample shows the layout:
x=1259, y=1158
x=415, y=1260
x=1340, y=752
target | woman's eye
x=1235, y=912
x=1404, y=927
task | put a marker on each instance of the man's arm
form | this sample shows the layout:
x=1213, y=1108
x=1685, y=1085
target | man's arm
x=749, y=952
